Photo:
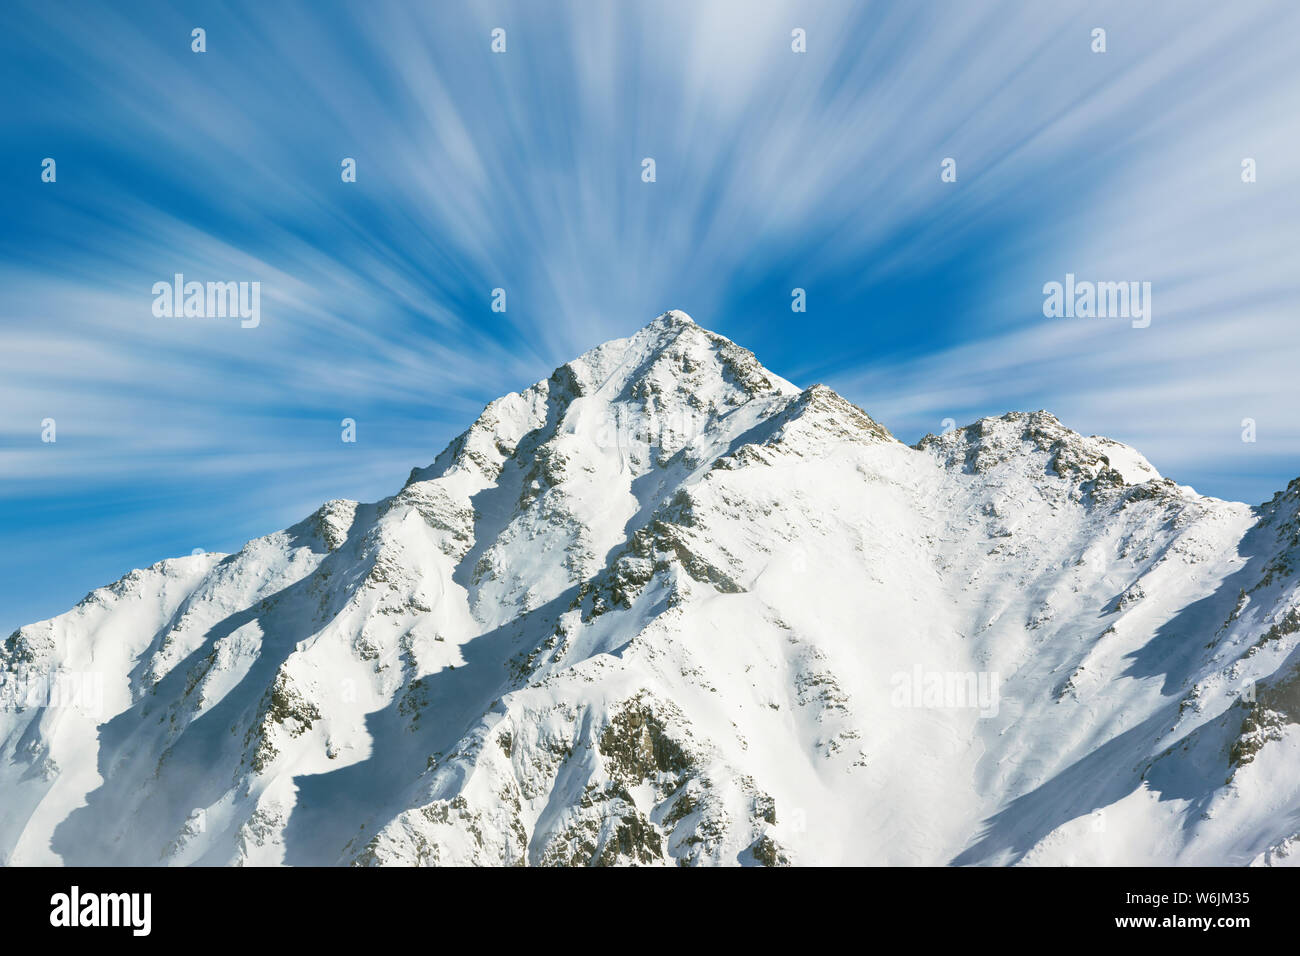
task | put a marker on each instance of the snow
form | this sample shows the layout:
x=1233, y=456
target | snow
x=658, y=608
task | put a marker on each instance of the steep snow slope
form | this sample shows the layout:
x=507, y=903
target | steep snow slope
x=665, y=607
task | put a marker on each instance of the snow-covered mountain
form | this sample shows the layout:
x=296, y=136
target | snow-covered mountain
x=666, y=607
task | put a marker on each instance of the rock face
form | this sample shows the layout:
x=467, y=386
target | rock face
x=667, y=608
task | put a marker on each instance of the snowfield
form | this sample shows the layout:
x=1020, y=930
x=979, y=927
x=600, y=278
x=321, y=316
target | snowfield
x=667, y=608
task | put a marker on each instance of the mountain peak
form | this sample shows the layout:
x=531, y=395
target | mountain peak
x=1034, y=437
x=673, y=317
x=656, y=389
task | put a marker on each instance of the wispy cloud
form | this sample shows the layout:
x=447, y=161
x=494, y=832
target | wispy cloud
x=522, y=171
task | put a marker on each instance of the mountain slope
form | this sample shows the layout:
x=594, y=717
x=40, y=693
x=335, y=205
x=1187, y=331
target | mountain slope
x=666, y=607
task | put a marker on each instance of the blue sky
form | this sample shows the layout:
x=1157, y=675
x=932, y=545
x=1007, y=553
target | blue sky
x=522, y=170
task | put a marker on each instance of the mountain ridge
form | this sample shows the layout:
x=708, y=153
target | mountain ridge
x=656, y=608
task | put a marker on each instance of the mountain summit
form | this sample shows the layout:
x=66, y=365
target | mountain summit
x=665, y=607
